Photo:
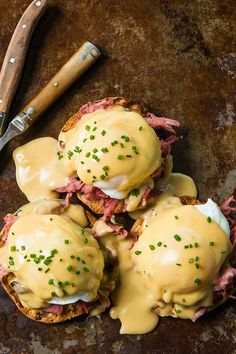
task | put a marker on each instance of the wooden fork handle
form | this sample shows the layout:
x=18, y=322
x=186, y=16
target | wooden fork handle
x=16, y=52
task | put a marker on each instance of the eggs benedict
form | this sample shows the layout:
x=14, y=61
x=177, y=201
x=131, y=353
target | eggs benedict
x=180, y=266
x=111, y=153
x=51, y=265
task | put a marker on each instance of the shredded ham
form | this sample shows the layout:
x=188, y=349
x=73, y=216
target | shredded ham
x=91, y=107
x=167, y=143
x=73, y=186
x=145, y=196
x=82, y=306
x=228, y=208
x=199, y=313
x=119, y=229
x=166, y=124
x=110, y=206
x=9, y=221
x=55, y=309
x=157, y=173
x=104, y=300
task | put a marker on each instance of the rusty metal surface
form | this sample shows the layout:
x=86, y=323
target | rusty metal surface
x=179, y=58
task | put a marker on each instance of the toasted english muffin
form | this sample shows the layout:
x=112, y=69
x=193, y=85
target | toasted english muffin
x=69, y=311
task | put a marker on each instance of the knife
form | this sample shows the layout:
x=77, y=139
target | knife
x=15, y=57
x=66, y=76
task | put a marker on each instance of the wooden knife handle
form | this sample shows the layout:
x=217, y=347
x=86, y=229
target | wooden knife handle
x=16, y=52
x=66, y=76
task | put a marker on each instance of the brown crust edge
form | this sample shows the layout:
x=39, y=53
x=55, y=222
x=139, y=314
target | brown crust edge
x=69, y=311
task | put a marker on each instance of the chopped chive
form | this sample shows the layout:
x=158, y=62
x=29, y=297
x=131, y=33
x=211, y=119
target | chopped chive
x=13, y=233
x=85, y=241
x=13, y=248
x=11, y=262
x=77, y=272
x=69, y=268
x=211, y=243
x=134, y=147
x=87, y=154
x=105, y=168
x=95, y=158
x=135, y=192
x=65, y=282
x=222, y=251
x=78, y=259
x=186, y=246
x=40, y=269
x=88, y=170
x=177, y=237
x=59, y=155
x=176, y=217
x=92, y=137
x=140, y=128
x=36, y=260
x=66, y=242
x=47, y=270
x=183, y=300
x=120, y=157
x=178, y=264
x=165, y=246
x=113, y=143
x=197, y=258
x=102, y=177
x=197, y=265
x=60, y=260
x=73, y=285
x=53, y=252
x=83, y=262
x=126, y=138
x=70, y=154
x=121, y=145
x=152, y=247
x=178, y=311
x=104, y=150
x=95, y=128
x=95, y=150
x=209, y=219
x=32, y=255
x=190, y=245
x=103, y=133
x=191, y=260
x=196, y=244
x=197, y=281
x=138, y=253
x=85, y=269
x=136, y=152
x=53, y=294
x=87, y=127
x=50, y=282
x=72, y=256
x=47, y=261
x=128, y=156
x=159, y=244
x=82, y=231
x=77, y=149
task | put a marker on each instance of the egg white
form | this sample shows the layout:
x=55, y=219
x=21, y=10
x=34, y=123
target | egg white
x=111, y=186
x=70, y=299
x=212, y=210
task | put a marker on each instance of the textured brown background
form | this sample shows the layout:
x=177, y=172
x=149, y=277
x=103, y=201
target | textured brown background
x=177, y=57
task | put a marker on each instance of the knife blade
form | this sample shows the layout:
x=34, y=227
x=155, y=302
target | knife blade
x=15, y=57
x=87, y=55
